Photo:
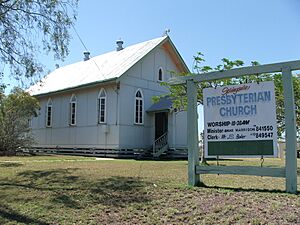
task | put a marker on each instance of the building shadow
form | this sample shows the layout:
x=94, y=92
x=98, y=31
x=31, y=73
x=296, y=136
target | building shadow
x=120, y=191
x=15, y=217
x=10, y=164
x=68, y=190
x=232, y=189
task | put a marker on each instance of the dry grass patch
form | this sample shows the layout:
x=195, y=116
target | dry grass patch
x=78, y=190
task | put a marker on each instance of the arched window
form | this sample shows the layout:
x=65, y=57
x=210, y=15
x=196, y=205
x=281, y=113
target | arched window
x=138, y=106
x=160, y=74
x=102, y=106
x=49, y=113
x=73, y=105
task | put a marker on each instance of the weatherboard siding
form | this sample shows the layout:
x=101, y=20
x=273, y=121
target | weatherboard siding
x=143, y=76
x=87, y=132
x=177, y=125
x=120, y=131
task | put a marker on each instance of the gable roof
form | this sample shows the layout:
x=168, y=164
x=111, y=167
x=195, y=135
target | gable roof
x=102, y=68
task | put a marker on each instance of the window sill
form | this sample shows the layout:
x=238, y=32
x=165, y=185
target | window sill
x=138, y=124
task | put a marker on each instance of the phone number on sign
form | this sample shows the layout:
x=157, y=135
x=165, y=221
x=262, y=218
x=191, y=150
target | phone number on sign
x=263, y=135
x=263, y=128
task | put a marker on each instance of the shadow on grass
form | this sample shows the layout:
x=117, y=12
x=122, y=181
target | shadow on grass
x=65, y=200
x=56, y=174
x=48, y=179
x=10, y=164
x=61, y=188
x=120, y=191
x=13, y=216
x=225, y=159
x=232, y=189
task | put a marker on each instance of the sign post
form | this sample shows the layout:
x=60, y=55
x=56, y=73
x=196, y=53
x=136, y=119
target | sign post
x=290, y=170
x=289, y=113
x=192, y=134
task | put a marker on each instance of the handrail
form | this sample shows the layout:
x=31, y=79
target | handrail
x=164, y=134
x=160, y=142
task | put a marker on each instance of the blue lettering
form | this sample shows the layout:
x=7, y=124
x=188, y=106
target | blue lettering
x=267, y=96
x=223, y=99
x=208, y=100
x=246, y=98
x=251, y=97
x=218, y=100
x=260, y=97
x=253, y=110
x=239, y=99
x=222, y=113
x=241, y=110
x=228, y=99
x=247, y=110
x=233, y=98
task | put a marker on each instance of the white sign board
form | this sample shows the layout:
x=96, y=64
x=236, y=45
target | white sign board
x=240, y=120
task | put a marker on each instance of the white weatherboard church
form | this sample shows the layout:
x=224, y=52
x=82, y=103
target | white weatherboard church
x=105, y=102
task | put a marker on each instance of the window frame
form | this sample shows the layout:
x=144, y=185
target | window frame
x=99, y=108
x=49, y=120
x=160, y=69
x=73, y=102
x=138, y=112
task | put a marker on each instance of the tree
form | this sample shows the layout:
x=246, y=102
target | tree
x=16, y=110
x=179, y=95
x=280, y=102
x=28, y=25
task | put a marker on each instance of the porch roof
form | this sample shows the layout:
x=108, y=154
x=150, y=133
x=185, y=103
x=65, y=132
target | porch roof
x=165, y=104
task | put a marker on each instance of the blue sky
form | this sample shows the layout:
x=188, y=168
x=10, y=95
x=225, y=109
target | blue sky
x=266, y=31
x=263, y=30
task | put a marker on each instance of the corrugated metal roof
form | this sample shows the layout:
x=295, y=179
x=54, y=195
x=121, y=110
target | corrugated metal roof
x=97, y=69
x=165, y=103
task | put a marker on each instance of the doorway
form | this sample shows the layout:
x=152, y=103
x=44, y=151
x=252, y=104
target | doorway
x=161, y=124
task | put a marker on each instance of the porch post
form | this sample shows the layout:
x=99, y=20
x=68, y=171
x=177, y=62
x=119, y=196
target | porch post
x=290, y=131
x=192, y=133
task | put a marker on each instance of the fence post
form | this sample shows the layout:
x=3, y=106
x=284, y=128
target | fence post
x=192, y=133
x=290, y=131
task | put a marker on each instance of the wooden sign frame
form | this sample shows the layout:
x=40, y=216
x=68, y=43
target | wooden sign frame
x=290, y=169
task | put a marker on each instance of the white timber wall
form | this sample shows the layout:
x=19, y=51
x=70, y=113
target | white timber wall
x=120, y=131
x=87, y=133
x=144, y=76
x=177, y=136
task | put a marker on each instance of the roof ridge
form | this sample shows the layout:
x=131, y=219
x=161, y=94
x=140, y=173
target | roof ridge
x=99, y=68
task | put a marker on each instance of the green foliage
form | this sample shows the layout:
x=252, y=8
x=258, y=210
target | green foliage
x=280, y=102
x=16, y=110
x=26, y=26
x=178, y=92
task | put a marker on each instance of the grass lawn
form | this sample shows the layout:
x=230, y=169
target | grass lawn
x=77, y=190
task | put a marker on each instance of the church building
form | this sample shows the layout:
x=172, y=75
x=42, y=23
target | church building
x=105, y=102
